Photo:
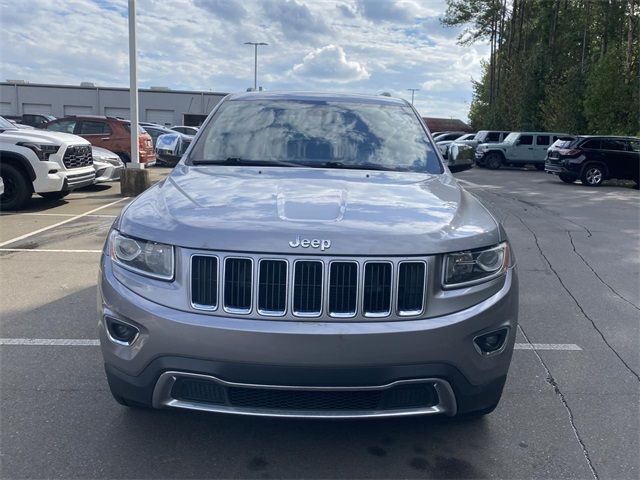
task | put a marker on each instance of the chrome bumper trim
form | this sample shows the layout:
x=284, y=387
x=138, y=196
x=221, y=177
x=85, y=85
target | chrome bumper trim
x=162, y=399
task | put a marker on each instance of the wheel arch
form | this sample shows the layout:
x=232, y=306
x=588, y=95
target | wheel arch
x=600, y=163
x=19, y=161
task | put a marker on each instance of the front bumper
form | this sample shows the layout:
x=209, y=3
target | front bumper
x=72, y=181
x=108, y=173
x=479, y=157
x=306, y=355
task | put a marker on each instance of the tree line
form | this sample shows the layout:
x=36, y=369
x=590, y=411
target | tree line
x=554, y=65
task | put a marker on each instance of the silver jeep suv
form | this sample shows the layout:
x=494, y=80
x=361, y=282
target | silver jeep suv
x=309, y=256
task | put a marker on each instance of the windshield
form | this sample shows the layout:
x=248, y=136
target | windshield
x=312, y=133
x=6, y=124
x=511, y=137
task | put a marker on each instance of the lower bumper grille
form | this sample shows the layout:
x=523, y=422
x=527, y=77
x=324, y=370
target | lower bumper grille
x=398, y=397
x=79, y=180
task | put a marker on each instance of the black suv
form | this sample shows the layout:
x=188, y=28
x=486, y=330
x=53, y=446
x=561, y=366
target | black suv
x=594, y=159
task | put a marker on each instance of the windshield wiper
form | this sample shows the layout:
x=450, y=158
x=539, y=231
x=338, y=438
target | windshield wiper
x=242, y=161
x=353, y=166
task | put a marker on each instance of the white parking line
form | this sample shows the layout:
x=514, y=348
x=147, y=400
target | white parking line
x=47, y=250
x=475, y=185
x=36, y=214
x=547, y=346
x=44, y=229
x=74, y=342
x=62, y=342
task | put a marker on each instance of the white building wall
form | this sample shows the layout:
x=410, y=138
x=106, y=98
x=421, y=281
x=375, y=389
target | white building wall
x=60, y=100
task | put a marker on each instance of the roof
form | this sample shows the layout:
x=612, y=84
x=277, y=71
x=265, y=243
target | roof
x=122, y=89
x=620, y=137
x=319, y=97
x=447, y=125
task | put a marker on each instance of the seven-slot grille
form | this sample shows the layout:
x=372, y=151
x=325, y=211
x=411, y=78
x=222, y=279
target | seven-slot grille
x=77, y=156
x=307, y=287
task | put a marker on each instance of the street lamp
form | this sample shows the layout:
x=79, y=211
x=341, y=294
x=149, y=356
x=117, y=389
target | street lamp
x=255, y=66
x=413, y=91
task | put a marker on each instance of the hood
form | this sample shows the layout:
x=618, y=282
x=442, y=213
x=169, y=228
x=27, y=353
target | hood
x=45, y=136
x=262, y=209
x=99, y=152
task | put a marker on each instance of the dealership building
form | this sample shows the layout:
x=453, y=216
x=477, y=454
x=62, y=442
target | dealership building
x=156, y=104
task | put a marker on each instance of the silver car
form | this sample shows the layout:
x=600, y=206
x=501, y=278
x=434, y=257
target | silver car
x=107, y=164
x=309, y=256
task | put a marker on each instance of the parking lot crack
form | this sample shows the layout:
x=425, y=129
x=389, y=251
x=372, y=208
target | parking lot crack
x=545, y=210
x=580, y=307
x=596, y=273
x=556, y=388
x=566, y=289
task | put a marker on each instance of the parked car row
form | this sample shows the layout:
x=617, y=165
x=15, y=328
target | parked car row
x=590, y=159
x=53, y=156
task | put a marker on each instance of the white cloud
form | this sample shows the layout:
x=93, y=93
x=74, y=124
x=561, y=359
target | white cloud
x=330, y=64
x=363, y=46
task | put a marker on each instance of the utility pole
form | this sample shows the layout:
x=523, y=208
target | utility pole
x=413, y=91
x=255, y=62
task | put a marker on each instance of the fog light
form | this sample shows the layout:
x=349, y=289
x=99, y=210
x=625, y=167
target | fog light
x=120, y=332
x=491, y=342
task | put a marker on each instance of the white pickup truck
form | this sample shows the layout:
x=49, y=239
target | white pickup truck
x=50, y=164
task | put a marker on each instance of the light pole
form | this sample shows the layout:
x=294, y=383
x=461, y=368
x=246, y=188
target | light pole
x=255, y=63
x=413, y=91
x=133, y=86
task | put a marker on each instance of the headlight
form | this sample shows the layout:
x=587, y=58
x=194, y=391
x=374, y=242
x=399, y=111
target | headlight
x=114, y=161
x=141, y=256
x=462, y=269
x=41, y=151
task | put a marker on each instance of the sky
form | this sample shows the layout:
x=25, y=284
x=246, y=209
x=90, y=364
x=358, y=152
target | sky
x=359, y=46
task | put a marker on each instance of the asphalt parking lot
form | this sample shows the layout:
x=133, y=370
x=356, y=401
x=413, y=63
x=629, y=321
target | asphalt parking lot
x=570, y=408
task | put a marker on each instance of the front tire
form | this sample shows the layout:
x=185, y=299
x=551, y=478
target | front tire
x=17, y=189
x=54, y=196
x=593, y=175
x=567, y=178
x=493, y=161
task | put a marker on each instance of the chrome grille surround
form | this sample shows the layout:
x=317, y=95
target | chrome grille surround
x=196, y=285
x=235, y=268
x=258, y=261
x=337, y=312
x=411, y=312
x=272, y=288
x=162, y=398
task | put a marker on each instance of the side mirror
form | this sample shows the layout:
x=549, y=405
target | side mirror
x=518, y=142
x=460, y=168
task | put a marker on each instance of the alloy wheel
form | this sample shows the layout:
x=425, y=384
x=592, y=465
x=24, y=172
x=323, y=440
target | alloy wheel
x=594, y=176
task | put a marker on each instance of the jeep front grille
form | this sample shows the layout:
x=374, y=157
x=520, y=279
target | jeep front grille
x=376, y=299
x=238, y=274
x=343, y=289
x=308, y=287
x=411, y=288
x=77, y=156
x=272, y=287
x=204, y=282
